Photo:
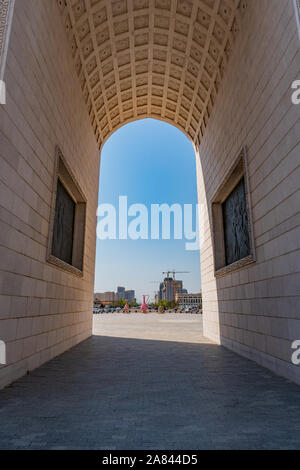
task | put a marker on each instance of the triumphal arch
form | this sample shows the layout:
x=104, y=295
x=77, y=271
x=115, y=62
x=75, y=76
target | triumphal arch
x=225, y=73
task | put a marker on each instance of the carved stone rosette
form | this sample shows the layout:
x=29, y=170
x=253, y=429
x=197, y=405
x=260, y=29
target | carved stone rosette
x=6, y=14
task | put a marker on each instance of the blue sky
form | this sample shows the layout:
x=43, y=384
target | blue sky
x=150, y=162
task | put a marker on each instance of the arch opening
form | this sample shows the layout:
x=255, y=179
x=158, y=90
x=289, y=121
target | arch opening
x=147, y=164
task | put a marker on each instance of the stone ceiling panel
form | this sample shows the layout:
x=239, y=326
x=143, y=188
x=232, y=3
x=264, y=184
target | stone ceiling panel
x=151, y=58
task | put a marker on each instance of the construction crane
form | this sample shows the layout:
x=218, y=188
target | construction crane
x=175, y=272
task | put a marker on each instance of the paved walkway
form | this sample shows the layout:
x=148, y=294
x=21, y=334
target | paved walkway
x=150, y=382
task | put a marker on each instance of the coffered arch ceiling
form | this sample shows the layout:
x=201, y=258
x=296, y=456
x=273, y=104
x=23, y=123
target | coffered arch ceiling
x=151, y=58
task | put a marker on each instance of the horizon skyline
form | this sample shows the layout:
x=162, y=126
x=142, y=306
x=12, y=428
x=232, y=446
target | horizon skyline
x=147, y=170
x=132, y=289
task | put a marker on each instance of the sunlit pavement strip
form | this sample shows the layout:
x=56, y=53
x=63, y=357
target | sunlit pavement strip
x=151, y=326
x=150, y=382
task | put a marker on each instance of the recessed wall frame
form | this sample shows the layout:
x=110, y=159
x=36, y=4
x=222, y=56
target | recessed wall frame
x=237, y=173
x=64, y=177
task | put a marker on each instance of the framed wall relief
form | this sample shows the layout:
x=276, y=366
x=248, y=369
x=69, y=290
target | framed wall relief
x=232, y=224
x=67, y=221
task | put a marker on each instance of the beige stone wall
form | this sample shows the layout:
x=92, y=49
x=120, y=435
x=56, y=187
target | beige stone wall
x=44, y=310
x=256, y=310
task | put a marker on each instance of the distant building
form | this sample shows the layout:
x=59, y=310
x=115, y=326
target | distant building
x=160, y=292
x=108, y=298
x=189, y=300
x=120, y=293
x=168, y=290
x=105, y=298
x=171, y=287
x=130, y=296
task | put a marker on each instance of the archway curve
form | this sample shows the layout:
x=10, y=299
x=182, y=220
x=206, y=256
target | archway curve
x=144, y=58
x=132, y=120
